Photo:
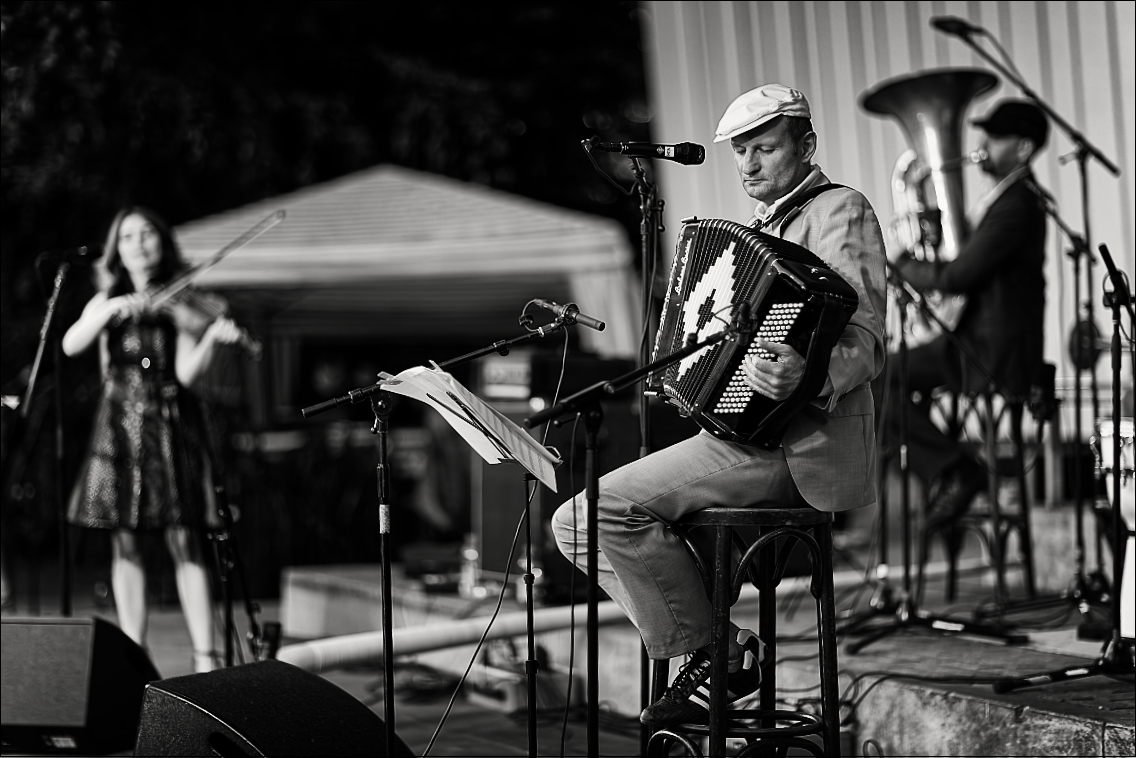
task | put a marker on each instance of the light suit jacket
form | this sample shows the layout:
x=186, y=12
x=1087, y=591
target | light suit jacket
x=830, y=445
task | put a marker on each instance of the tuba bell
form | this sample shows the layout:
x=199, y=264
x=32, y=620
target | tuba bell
x=927, y=181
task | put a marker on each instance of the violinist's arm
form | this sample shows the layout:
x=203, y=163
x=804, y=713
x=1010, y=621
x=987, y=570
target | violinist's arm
x=95, y=317
x=195, y=353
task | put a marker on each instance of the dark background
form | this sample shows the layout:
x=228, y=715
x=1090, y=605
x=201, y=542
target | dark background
x=193, y=109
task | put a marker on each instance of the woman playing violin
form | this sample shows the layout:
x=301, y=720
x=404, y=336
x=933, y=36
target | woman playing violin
x=148, y=469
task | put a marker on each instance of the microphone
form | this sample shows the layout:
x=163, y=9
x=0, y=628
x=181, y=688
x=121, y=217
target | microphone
x=973, y=157
x=571, y=314
x=743, y=323
x=956, y=26
x=686, y=153
x=68, y=254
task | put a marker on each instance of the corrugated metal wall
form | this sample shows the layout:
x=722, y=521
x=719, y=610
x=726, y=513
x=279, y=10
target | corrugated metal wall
x=1078, y=57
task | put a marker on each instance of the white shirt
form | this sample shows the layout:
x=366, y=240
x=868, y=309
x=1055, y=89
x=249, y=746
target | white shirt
x=975, y=215
x=763, y=212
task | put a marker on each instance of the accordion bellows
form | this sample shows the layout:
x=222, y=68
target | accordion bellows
x=793, y=297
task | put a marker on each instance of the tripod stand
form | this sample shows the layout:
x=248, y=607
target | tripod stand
x=906, y=611
x=25, y=410
x=1118, y=656
x=228, y=560
x=883, y=601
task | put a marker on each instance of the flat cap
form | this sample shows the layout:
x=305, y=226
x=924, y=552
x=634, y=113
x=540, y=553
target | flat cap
x=759, y=105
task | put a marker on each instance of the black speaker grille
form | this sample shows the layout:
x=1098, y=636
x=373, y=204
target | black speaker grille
x=268, y=708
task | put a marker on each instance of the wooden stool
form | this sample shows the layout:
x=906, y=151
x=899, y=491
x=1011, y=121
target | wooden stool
x=765, y=727
x=994, y=526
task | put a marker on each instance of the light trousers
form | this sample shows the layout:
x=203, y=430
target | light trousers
x=641, y=564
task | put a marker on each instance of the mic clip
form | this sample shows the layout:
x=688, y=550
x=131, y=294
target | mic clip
x=742, y=324
x=570, y=314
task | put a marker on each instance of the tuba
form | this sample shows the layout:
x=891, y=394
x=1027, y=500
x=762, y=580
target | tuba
x=927, y=181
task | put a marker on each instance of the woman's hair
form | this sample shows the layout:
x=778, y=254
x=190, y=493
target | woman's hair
x=112, y=277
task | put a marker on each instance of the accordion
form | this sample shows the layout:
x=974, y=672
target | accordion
x=793, y=297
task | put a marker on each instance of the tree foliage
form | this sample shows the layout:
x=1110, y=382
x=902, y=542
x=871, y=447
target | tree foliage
x=197, y=108
x=194, y=109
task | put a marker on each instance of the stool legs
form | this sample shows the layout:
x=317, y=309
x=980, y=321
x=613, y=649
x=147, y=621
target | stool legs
x=720, y=634
x=769, y=732
x=1001, y=524
x=767, y=630
x=829, y=680
x=1025, y=533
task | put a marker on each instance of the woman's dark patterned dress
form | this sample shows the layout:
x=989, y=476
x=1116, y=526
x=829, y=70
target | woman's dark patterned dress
x=146, y=468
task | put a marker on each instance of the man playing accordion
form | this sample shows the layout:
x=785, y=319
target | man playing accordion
x=826, y=459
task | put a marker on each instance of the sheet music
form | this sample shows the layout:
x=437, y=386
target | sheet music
x=489, y=432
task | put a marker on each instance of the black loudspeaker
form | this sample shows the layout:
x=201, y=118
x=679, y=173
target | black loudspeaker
x=268, y=708
x=70, y=684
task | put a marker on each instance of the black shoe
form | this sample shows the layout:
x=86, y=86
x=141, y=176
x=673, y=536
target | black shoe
x=692, y=681
x=675, y=706
x=950, y=494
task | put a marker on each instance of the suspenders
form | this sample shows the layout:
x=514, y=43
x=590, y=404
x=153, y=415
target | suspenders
x=788, y=212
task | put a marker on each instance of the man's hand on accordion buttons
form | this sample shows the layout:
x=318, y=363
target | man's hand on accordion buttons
x=776, y=379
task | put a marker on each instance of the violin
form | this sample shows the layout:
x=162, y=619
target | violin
x=193, y=310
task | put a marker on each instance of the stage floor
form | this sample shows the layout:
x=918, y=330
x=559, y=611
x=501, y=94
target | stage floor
x=919, y=691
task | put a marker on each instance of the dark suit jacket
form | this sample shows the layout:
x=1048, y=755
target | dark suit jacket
x=1000, y=271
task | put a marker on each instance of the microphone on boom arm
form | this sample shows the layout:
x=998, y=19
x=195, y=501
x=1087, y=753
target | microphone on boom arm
x=957, y=26
x=686, y=153
x=69, y=254
x=571, y=314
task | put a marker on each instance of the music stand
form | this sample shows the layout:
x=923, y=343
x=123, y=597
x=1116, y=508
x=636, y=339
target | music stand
x=907, y=613
x=491, y=434
x=1117, y=653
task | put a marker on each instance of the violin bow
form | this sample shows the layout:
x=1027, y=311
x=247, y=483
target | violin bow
x=180, y=282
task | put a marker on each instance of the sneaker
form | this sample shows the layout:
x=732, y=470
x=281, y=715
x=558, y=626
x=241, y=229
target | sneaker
x=745, y=678
x=677, y=705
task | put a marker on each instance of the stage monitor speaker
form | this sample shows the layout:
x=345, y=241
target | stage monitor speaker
x=267, y=708
x=70, y=684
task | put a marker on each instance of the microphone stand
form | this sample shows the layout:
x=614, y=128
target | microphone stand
x=907, y=613
x=1084, y=150
x=883, y=601
x=25, y=409
x=532, y=665
x=382, y=401
x=1083, y=589
x=381, y=404
x=586, y=403
x=1117, y=654
x=227, y=556
x=650, y=227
